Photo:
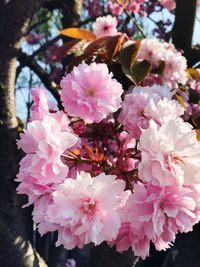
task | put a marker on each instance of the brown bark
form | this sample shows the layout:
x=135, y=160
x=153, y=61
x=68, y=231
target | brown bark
x=15, y=249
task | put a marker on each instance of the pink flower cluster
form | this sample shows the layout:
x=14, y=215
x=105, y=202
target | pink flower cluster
x=175, y=64
x=128, y=178
x=47, y=136
x=150, y=103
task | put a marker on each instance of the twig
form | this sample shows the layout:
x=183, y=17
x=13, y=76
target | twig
x=136, y=262
x=28, y=61
x=36, y=25
x=132, y=18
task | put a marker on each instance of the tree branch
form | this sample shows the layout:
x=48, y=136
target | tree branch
x=28, y=61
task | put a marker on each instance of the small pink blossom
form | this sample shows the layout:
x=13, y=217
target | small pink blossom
x=134, y=7
x=128, y=237
x=169, y=4
x=105, y=26
x=90, y=92
x=170, y=154
x=40, y=106
x=115, y=8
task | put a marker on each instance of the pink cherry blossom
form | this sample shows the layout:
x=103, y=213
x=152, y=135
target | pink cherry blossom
x=40, y=214
x=105, y=26
x=134, y=7
x=169, y=4
x=170, y=154
x=115, y=8
x=128, y=237
x=88, y=209
x=154, y=51
x=40, y=106
x=90, y=92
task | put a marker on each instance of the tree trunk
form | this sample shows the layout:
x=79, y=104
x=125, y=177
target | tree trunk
x=15, y=249
x=183, y=29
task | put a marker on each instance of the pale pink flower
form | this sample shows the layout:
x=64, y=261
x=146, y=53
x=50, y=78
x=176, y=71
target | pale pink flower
x=128, y=237
x=131, y=115
x=158, y=213
x=163, y=110
x=175, y=66
x=169, y=4
x=88, y=209
x=46, y=139
x=40, y=105
x=161, y=91
x=42, y=108
x=154, y=51
x=170, y=154
x=105, y=26
x=134, y=7
x=40, y=214
x=90, y=92
x=149, y=51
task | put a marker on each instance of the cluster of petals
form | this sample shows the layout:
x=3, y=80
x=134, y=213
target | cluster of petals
x=86, y=209
x=175, y=64
x=146, y=103
x=156, y=214
x=90, y=92
x=170, y=154
x=44, y=141
x=166, y=196
x=105, y=26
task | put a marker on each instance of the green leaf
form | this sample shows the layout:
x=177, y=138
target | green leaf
x=160, y=69
x=128, y=54
x=128, y=74
x=140, y=70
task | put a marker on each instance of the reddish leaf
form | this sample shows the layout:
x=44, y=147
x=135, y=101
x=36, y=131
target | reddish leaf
x=114, y=45
x=78, y=33
x=66, y=49
x=106, y=47
x=140, y=70
x=89, y=151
